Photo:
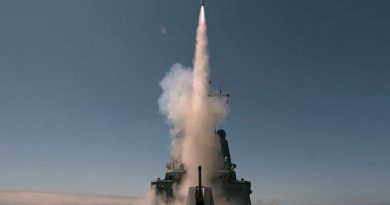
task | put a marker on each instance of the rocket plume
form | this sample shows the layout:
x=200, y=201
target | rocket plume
x=199, y=145
x=187, y=107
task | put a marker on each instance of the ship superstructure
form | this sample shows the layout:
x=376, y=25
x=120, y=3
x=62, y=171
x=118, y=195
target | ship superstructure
x=225, y=181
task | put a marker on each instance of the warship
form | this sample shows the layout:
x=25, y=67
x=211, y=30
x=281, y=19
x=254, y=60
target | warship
x=230, y=188
x=224, y=183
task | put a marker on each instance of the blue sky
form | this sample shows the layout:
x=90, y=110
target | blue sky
x=309, y=85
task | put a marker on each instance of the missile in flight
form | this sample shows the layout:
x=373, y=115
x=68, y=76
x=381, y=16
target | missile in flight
x=202, y=2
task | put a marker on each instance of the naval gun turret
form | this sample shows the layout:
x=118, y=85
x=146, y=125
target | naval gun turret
x=225, y=181
x=200, y=195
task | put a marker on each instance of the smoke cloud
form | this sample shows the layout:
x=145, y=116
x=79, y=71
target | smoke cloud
x=192, y=113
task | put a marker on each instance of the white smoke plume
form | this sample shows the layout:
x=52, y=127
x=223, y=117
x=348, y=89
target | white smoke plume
x=187, y=107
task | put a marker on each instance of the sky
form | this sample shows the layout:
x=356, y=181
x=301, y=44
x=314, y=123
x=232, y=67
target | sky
x=309, y=84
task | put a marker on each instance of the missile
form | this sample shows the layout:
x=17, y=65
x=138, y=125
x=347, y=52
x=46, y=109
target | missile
x=202, y=2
